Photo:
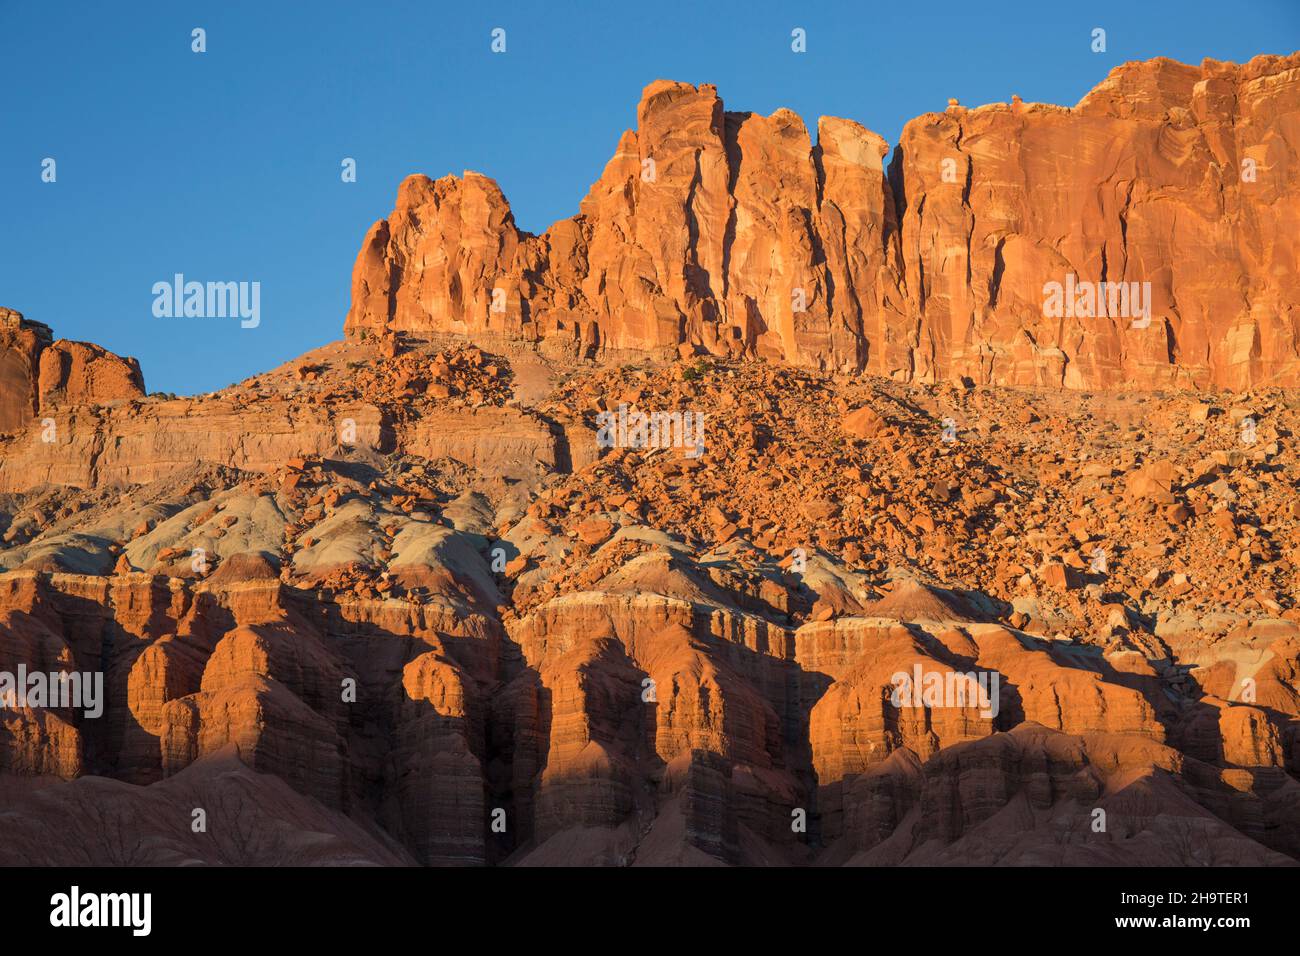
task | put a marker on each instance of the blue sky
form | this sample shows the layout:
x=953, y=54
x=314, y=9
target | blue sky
x=226, y=165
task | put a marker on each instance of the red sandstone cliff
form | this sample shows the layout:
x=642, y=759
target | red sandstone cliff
x=37, y=373
x=736, y=234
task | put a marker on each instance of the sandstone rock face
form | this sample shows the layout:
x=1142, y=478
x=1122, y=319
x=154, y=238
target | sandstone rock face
x=37, y=373
x=435, y=408
x=726, y=231
x=736, y=235
x=21, y=344
x=1178, y=176
x=81, y=373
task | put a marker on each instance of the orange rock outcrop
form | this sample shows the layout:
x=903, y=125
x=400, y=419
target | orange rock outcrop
x=738, y=235
x=38, y=373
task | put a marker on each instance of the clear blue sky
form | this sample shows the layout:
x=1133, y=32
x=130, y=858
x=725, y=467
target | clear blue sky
x=225, y=165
